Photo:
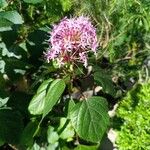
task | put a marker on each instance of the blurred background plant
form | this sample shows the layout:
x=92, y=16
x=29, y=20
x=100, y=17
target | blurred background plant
x=133, y=111
x=123, y=27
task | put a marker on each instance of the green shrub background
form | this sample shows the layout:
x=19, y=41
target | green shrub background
x=134, y=111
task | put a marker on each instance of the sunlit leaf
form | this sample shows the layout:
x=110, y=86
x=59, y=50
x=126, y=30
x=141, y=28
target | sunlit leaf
x=85, y=147
x=2, y=66
x=67, y=130
x=36, y=105
x=12, y=16
x=52, y=136
x=90, y=118
x=8, y=18
x=66, y=4
x=54, y=92
x=3, y=3
x=3, y=97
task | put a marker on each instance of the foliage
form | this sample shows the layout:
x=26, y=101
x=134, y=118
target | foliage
x=123, y=28
x=85, y=117
x=33, y=93
x=43, y=106
x=134, y=110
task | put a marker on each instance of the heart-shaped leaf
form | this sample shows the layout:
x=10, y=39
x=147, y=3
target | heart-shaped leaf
x=90, y=118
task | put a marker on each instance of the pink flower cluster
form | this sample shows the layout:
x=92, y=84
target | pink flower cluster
x=71, y=40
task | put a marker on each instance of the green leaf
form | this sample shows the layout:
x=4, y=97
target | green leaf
x=71, y=104
x=119, y=41
x=8, y=19
x=11, y=126
x=104, y=80
x=84, y=147
x=35, y=147
x=66, y=130
x=36, y=105
x=2, y=142
x=52, y=146
x=52, y=136
x=33, y=1
x=3, y=98
x=54, y=92
x=12, y=16
x=2, y=66
x=3, y=48
x=66, y=5
x=90, y=118
x=3, y=3
x=5, y=25
x=28, y=132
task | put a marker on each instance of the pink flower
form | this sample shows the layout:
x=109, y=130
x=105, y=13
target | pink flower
x=83, y=58
x=71, y=40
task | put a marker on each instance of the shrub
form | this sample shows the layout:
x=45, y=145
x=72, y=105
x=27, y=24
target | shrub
x=135, y=111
